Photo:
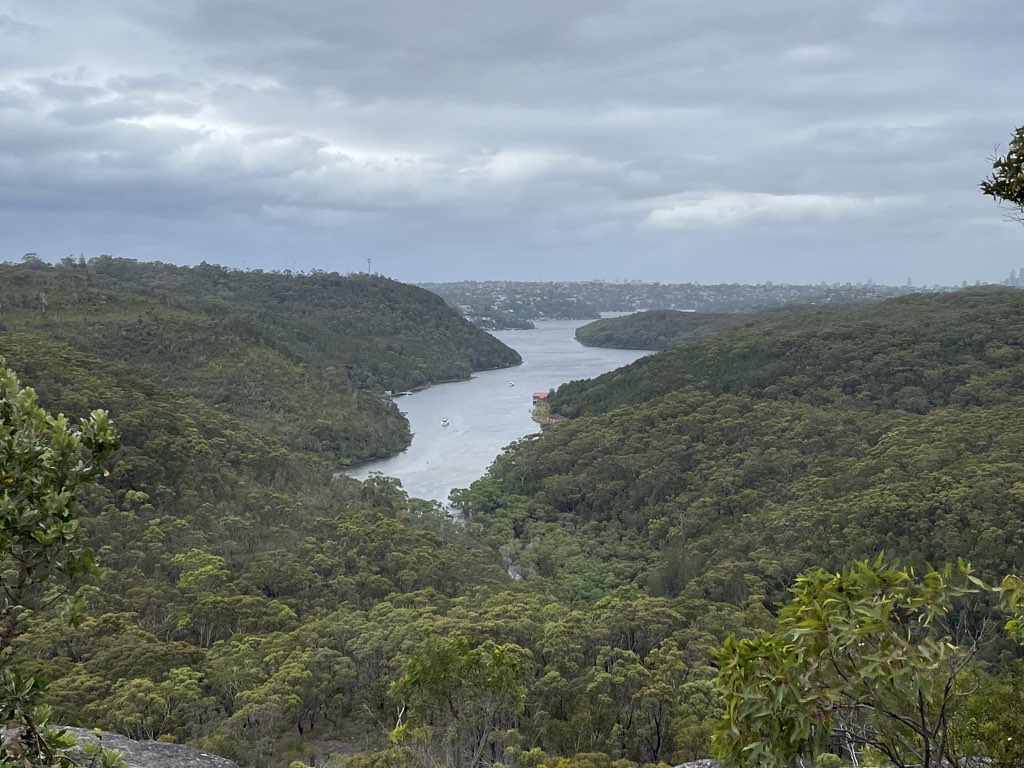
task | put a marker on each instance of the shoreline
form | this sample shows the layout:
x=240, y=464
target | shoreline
x=412, y=391
x=428, y=385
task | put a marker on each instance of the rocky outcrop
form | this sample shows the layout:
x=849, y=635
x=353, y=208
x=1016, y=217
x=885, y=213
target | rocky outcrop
x=152, y=754
x=705, y=763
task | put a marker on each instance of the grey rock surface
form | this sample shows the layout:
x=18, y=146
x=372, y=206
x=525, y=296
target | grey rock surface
x=705, y=763
x=153, y=754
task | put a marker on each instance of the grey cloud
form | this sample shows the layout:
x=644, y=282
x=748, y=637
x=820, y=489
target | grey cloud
x=162, y=82
x=64, y=90
x=118, y=108
x=11, y=27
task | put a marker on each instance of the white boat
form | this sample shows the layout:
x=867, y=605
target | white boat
x=511, y=383
x=445, y=422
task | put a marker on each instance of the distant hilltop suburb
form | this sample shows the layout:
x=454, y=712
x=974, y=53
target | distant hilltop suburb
x=510, y=305
x=149, y=754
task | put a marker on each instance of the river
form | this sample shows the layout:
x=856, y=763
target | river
x=485, y=414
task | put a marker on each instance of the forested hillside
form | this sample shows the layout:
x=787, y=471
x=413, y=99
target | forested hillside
x=664, y=328
x=302, y=356
x=654, y=329
x=387, y=334
x=912, y=353
x=722, y=469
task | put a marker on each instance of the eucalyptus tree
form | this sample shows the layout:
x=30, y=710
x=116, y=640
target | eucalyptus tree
x=873, y=660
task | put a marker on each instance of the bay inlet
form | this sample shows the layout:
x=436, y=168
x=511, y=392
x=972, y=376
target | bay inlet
x=489, y=411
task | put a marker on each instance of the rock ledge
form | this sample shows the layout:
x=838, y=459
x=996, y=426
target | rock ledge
x=152, y=754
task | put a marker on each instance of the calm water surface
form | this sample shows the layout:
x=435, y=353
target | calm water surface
x=485, y=414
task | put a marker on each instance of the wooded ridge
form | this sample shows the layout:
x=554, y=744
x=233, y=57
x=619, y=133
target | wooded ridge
x=304, y=356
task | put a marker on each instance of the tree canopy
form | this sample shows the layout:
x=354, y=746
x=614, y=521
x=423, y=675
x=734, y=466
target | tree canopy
x=1006, y=182
x=653, y=329
x=870, y=659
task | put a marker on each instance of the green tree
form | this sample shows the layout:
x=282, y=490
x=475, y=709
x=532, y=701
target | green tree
x=461, y=698
x=867, y=656
x=43, y=461
x=1006, y=183
x=143, y=709
x=992, y=721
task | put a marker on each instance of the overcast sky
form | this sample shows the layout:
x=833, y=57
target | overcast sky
x=671, y=140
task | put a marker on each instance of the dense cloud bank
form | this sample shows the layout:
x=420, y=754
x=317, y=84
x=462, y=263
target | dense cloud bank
x=673, y=141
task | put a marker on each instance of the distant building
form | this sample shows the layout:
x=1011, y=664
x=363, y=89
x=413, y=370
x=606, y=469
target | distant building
x=539, y=397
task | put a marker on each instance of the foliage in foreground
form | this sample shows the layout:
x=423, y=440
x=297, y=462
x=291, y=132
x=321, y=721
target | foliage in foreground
x=43, y=462
x=871, y=660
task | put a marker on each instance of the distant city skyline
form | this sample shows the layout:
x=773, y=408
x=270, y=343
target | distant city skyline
x=792, y=141
x=1015, y=279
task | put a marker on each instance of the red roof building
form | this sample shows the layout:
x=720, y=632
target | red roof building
x=540, y=395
